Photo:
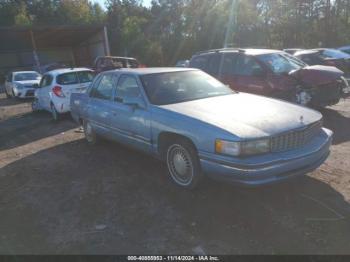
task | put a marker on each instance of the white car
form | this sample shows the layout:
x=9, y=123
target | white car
x=56, y=86
x=22, y=84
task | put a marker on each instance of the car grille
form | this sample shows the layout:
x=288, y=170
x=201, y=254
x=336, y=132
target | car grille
x=295, y=138
x=30, y=93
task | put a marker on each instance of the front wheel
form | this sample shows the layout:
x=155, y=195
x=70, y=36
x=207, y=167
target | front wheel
x=183, y=164
x=89, y=132
x=35, y=105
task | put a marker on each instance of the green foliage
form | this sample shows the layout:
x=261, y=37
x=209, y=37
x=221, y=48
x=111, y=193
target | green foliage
x=170, y=30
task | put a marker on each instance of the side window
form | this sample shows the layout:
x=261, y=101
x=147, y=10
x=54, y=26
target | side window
x=46, y=81
x=199, y=62
x=213, y=64
x=67, y=79
x=247, y=66
x=92, y=88
x=104, y=88
x=85, y=76
x=127, y=87
x=228, y=63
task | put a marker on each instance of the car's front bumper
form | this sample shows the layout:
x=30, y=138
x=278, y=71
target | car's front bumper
x=269, y=168
x=24, y=92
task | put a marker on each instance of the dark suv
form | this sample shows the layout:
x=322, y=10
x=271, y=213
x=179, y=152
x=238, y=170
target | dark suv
x=273, y=73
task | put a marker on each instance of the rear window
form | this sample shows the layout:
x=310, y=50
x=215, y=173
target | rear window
x=67, y=79
x=85, y=76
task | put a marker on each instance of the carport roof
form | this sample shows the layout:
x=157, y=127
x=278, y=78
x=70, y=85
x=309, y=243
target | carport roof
x=19, y=38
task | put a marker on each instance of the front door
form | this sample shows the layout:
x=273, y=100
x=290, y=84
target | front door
x=131, y=124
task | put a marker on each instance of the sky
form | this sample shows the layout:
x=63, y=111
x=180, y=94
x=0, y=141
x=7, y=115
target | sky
x=102, y=2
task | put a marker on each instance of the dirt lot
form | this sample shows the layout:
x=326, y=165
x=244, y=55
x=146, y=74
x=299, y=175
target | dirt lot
x=59, y=195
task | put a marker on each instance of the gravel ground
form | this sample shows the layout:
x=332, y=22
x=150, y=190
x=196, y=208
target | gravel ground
x=59, y=195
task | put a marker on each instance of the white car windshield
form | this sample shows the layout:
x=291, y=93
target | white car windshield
x=26, y=76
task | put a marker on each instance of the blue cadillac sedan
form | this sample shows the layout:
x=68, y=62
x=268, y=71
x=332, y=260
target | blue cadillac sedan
x=199, y=126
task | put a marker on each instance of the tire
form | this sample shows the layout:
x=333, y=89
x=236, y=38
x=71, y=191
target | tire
x=89, y=133
x=183, y=164
x=55, y=115
x=35, y=105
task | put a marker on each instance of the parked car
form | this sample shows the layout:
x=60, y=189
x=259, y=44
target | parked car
x=182, y=63
x=273, y=73
x=22, y=84
x=198, y=126
x=345, y=49
x=292, y=51
x=56, y=87
x=105, y=63
x=328, y=57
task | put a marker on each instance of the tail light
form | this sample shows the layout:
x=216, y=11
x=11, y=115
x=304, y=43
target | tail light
x=57, y=90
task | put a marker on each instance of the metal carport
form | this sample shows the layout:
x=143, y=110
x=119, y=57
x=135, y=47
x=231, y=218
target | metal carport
x=31, y=47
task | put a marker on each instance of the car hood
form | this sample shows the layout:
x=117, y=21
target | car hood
x=247, y=116
x=317, y=75
x=28, y=82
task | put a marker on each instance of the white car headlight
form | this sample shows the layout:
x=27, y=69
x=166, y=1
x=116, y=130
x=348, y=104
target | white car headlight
x=242, y=148
x=18, y=86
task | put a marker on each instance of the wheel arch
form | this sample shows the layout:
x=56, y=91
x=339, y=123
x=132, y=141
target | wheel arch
x=165, y=138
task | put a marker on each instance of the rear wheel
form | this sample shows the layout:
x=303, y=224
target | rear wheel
x=55, y=115
x=89, y=132
x=183, y=164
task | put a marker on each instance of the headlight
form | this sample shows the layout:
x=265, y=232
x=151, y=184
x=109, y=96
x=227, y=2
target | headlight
x=18, y=86
x=227, y=148
x=242, y=148
x=255, y=147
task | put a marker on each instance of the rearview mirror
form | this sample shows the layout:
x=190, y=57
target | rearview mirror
x=136, y=102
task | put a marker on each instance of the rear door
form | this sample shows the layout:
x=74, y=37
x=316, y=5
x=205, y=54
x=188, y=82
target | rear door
x=45, y=88
x=100, y=106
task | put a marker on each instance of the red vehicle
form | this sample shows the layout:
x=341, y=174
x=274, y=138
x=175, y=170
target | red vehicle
x=326, y=56
x=275, y=74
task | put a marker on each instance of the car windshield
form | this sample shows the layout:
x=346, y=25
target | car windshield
x=281, y=62
x=26, y=76
x=334, y=54
x=177, y=87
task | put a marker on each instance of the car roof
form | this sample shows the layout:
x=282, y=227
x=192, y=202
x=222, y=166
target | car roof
x=20, y=72
x=151, y=70
x=344, y=47
x=67, y=70
x=308, y=52
x=247, y=51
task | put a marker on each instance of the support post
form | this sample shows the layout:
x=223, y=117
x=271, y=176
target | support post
x=106, y=41
x=35, y=54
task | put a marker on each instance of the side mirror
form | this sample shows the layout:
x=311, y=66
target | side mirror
x=136, y=102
